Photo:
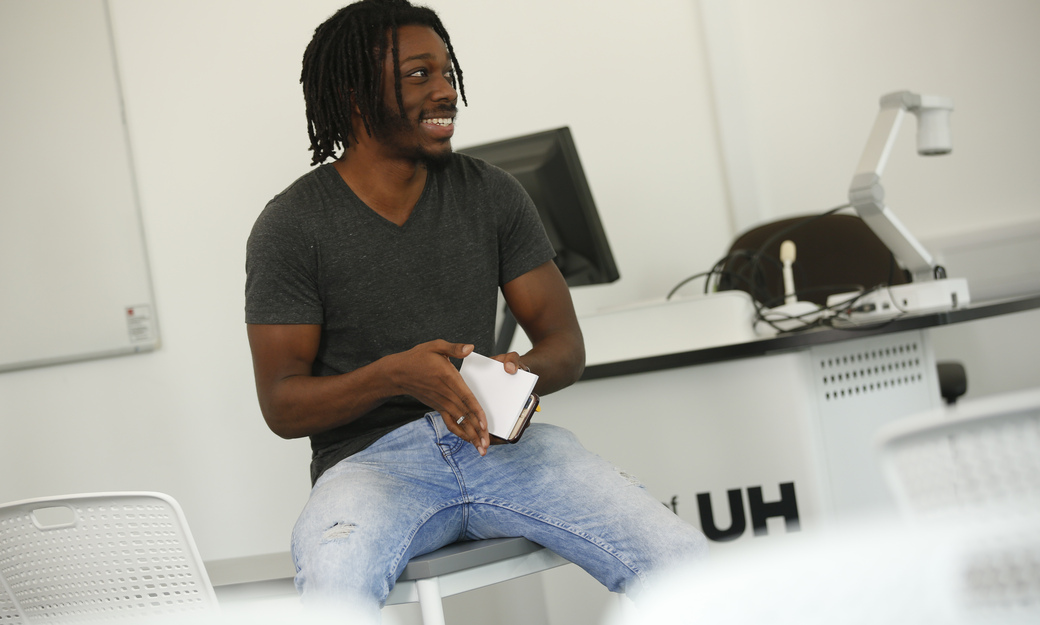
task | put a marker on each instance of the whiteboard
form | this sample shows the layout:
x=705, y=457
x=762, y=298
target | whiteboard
x=74, y=279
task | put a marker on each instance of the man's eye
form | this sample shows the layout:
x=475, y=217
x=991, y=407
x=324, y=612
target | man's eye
x=419, y=73
x=450, y=77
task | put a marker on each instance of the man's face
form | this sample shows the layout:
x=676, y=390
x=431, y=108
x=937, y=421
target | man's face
x=429, y=97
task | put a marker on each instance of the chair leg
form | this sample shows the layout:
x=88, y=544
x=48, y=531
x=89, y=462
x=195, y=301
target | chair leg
x=626, y=610
x=430, y=601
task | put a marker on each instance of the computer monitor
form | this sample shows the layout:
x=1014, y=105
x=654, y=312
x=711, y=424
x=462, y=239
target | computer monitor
x=547, y=165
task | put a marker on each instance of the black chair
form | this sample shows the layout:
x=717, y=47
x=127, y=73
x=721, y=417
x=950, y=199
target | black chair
x=834, y=254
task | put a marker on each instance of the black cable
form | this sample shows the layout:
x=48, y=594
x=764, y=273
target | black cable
x=687, y=281
x=716, y=269
x=822, y=319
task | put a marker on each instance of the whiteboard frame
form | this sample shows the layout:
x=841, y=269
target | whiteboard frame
x=75, y=282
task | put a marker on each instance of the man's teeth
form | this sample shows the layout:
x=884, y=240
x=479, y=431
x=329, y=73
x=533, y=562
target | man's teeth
x=444, y=121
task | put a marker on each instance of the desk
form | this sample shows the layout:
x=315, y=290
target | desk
x=763, y=437
x=801, y=340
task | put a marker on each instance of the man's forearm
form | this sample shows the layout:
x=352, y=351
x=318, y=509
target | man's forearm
x=558, y=360
x=296, y=404
x=303, y=405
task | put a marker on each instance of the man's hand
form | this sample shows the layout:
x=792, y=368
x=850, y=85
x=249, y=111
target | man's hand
x=512, y=362
x=425, y=373
x=296, y=403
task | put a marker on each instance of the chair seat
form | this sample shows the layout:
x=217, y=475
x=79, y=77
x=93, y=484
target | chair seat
x=466, y=555
x=469, y=565
x=457, y=568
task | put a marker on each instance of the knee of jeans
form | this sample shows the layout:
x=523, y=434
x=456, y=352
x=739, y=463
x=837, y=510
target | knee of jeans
x=333, y=568
x=552, y=437
x=628, y=477
x=338, y=531
x=686, y=545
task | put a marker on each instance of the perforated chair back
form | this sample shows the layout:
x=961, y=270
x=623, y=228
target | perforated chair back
x=98, y=558
x=981, y=457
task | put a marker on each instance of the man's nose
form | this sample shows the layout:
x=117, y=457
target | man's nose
x=445, y=90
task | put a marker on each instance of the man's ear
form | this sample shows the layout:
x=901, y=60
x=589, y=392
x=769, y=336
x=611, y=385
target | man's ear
x=360, y=123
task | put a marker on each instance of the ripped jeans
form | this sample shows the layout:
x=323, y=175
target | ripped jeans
x=421, y=487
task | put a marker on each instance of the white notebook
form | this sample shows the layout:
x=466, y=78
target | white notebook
x=502, y=395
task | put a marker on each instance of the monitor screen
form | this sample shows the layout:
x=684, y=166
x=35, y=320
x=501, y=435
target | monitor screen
x=546, y=164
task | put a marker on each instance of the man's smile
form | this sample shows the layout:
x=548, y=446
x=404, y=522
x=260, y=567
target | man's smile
x=441, y=128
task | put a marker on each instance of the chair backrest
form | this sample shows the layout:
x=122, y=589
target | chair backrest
x=98, y=557
x=835, y=254
x=979, y=458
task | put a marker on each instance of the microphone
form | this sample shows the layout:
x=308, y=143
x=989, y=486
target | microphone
x=787, y=256
x=792, y=314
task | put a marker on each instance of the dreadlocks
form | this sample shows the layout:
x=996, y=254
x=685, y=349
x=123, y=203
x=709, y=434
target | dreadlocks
x=342, y=67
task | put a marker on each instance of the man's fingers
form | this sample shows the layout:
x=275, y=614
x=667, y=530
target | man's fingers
x=476, y=421
x=511, y=362
x=439, y=385
x=453, y=350
x=467, y=427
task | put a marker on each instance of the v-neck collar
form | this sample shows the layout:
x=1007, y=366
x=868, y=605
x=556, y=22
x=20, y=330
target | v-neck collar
x=374, y=214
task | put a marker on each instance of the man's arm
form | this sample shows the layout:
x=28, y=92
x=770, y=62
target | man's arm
x=296, y=404
x=541, y=303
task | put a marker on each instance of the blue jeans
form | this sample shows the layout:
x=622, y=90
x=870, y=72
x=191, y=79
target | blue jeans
x=421, y=487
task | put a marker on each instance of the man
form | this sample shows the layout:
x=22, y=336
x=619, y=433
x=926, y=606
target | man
x=367, y=280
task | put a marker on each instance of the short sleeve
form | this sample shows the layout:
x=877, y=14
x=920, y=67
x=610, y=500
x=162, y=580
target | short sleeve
x=523, y=243
x=281, y=271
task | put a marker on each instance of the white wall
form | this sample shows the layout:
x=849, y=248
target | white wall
x=216, y=124
x=813, y=71
x=799, y=82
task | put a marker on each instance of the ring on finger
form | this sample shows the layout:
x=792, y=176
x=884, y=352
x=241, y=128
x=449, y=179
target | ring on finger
x=460, y=420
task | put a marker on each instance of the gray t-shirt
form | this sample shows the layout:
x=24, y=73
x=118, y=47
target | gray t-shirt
x=318, y=255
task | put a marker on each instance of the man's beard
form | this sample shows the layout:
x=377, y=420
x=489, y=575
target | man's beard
x=401, y=132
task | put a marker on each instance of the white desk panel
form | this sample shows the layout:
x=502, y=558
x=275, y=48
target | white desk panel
x=805, y=418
